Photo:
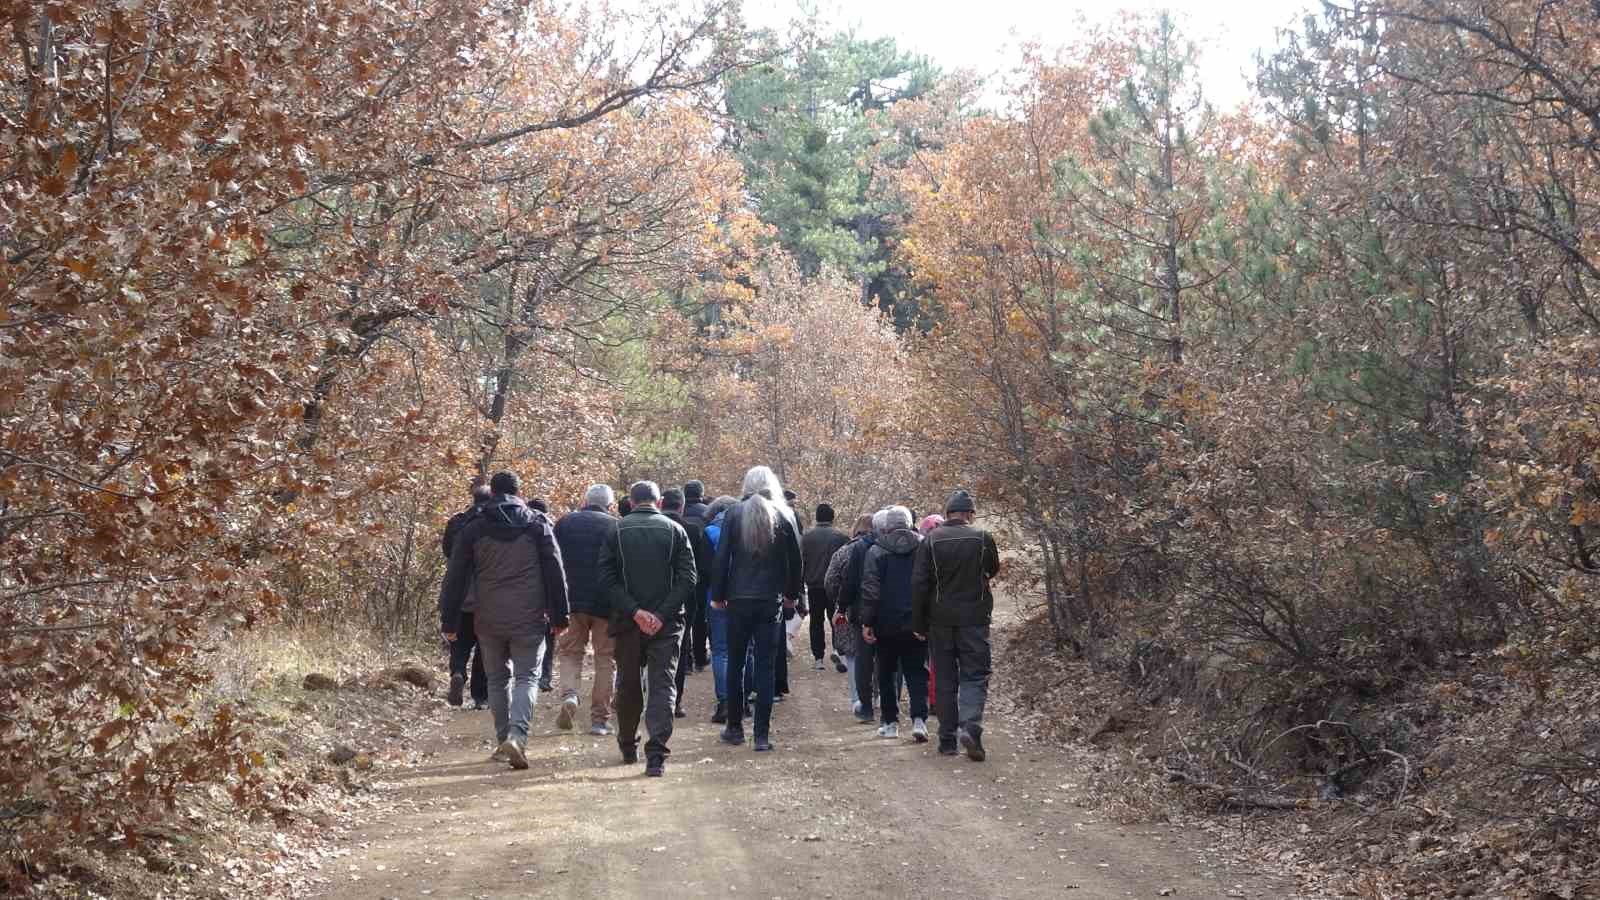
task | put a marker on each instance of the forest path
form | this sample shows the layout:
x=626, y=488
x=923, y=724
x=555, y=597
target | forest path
x=835, y=812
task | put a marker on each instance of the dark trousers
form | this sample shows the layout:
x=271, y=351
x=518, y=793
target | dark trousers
x=961, y=677
x=700, y=632
x=685, y=660
x=752, y=623
x=821, y=620
x=904, y=654
x=866, y=655
x=461, y=649
x=548, y=667
x=780, y=663
x=647, y=663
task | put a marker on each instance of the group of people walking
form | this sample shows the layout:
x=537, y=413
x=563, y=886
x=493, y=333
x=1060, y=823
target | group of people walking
x=677, y=584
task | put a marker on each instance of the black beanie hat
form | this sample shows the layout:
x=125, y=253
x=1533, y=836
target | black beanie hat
x=960, y=501
x=824, y=513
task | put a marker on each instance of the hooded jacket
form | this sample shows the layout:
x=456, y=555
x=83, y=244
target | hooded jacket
x=950, y=578
x=886, y=582
x=816, y=550
x=741, y=575
x=509, y=556
x=447, y=543
x=646, y=563
x=581, y=533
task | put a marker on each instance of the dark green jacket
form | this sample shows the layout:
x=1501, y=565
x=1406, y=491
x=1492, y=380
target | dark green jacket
x=950, y=578
x=646, y=563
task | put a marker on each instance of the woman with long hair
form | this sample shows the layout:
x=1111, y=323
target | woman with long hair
x=756, y=576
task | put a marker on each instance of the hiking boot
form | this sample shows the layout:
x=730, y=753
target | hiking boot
x=889, y=730
x=919, y=730
x=569, y=709
x=599, y=729
x=499, y=755
x=839, y=665
x=763, y=745
x=972, y=742
x=545, y=686
x=732, y=735
x=719, y=716
x=453, y=696
x=678, y=713
x=947, y=747
x=818, y=666
x=630, y=754
x=514, y=753
x=655, y=766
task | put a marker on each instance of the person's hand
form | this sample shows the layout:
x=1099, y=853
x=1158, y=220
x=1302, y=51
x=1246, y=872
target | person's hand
x=647, y=621
x=841, y=619
x=450, y=636
x=867, y=635
x=719, y=604
x=920, y=637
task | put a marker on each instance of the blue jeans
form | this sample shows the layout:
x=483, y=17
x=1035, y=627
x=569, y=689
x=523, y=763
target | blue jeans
x=752, y=622
x=717, y=621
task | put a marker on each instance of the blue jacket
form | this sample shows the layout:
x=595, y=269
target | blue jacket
x=581, y=533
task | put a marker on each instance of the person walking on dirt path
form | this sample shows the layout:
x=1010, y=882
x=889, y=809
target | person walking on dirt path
x=817, y=547
x=697, y=512
x=755, y=577
x=581, y=533
x=952, y=608
x=461, y=649
x=886, y=623
x=510, y=555
x=717, y=619
x=672, y=507
x=647, y=571
x=844, y=637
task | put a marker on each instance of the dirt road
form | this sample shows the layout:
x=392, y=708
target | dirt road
x=834, y=812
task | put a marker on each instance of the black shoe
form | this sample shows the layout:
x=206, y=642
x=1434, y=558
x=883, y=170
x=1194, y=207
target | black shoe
x=777, y=698
x=947, y=747
x=546, y=686
x=630, y=755
x=720, y=715
x=972, y=742
x=655, y=766
x=763, y=745
x=838, y=664
x=732, y=735
x=678, y=713
x=453, y=696
x=480, y=704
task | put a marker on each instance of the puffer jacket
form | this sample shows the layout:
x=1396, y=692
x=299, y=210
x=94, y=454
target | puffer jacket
x=886, y=582
x=740, y=575
x=843, y=581
x=581, y=533
x=508, y=553
x=950, y=578
x=647, y=564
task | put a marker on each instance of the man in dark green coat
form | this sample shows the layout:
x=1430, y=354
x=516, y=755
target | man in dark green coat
x=647, y=571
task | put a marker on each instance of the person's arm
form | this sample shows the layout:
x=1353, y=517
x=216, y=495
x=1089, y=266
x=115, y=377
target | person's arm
x=457, y=575
x=831, y=582
x=608, y=574
x=922, y=588
x=684, y=574
x=795, y=577
x=723, y=561
x=871, y=588
x=556, y=603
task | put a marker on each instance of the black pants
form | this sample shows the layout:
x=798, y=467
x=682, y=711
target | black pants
x=548, y=667
x=460, y=651
x=904, y=654
x=752, y=622
x=866, y=655
x=685, y=660
x=821, y=621
x=699, y=639
x=780, y=663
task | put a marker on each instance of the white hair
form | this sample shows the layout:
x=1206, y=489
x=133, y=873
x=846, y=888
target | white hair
x=762, y=506
x=896, y=517
x=599, y=495
x=880, y=519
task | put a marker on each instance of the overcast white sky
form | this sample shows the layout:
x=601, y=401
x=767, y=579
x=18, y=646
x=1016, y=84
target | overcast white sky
x=977, y=34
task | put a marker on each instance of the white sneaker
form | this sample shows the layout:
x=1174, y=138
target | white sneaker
x=569, y=710
x=889, y=730
x=919, y=730
x=818, y=666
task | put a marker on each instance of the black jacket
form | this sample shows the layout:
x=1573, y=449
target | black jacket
x=695, y=527
x=816, y=549
x=848, y=600
x=740, y=575
x=886, y=582
x=508, y=553
x=581, y=534
x=950, y=578
x=647, y=563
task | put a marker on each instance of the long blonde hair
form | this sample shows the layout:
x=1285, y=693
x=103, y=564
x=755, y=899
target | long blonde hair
x=758, y=523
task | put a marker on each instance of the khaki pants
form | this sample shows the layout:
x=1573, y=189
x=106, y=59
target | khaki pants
x=584, y=630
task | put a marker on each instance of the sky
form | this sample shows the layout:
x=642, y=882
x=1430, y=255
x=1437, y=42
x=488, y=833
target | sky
x=977, y=34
